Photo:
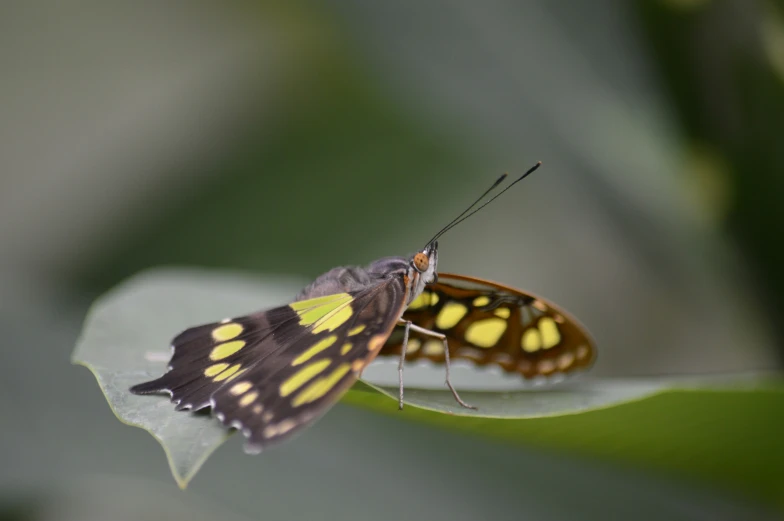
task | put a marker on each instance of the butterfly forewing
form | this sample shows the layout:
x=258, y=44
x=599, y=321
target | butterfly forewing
x=271, y=373
x=488, y=323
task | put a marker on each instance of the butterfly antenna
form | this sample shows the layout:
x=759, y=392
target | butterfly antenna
x=442, y=230
x=460, y=217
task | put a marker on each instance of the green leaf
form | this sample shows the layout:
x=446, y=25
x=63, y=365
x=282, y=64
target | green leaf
x=126, y=338
x=723, y=429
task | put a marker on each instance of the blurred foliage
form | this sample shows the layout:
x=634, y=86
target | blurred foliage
x=721, y=61
x=298, y=193
x=693, y=433
x=19, y=509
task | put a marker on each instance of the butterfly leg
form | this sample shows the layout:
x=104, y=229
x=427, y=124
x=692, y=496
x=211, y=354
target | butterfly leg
x=442, y=338
x=402, y=359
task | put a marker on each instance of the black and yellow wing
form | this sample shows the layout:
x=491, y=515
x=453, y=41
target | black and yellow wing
x=489, y=323
x=271, y=373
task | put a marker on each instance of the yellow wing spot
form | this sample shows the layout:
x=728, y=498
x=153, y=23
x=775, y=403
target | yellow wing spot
x=357, y=330
x=248, y=398
x=565, y=361
x=346, y=348
x=315, y=309
x=279, y=428
x=240, y=388
x=413, y=345
x=452, y=313
x=583, y=352
x=538, y=304
x=257, y=408
x=502, y=358
x=546, y=366
x=481, y=301
x=235, y=375
x=226, y=332
x=302, y=376
x=226, y=349
x=486, y=333
x=376, y=342
x=433, y=347
x=434, y=298
x=316, y=349
x=357, y=365
x=320, y=387
x=228, y=372
x=305, y=305
x=471, y=353
x=551, y=336
x=423, y=300
x=334, y=320
x=531, y=341
x=214, y=369
x=502, y=313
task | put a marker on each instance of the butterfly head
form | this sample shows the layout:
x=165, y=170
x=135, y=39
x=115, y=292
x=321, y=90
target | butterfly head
x=425, y=263
x=422, y=269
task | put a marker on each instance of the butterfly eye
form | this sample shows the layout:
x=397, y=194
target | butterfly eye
x=421, y=262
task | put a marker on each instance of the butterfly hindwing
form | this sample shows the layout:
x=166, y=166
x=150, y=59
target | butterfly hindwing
x=488, y=323
x=288, y=365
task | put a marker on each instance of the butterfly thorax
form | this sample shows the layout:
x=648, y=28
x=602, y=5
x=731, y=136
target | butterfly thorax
x=350, y=279
x=345, y=279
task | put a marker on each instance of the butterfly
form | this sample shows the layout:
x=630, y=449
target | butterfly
x=271, y=373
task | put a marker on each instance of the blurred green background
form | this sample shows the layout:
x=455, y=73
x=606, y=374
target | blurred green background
x=289, y=137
